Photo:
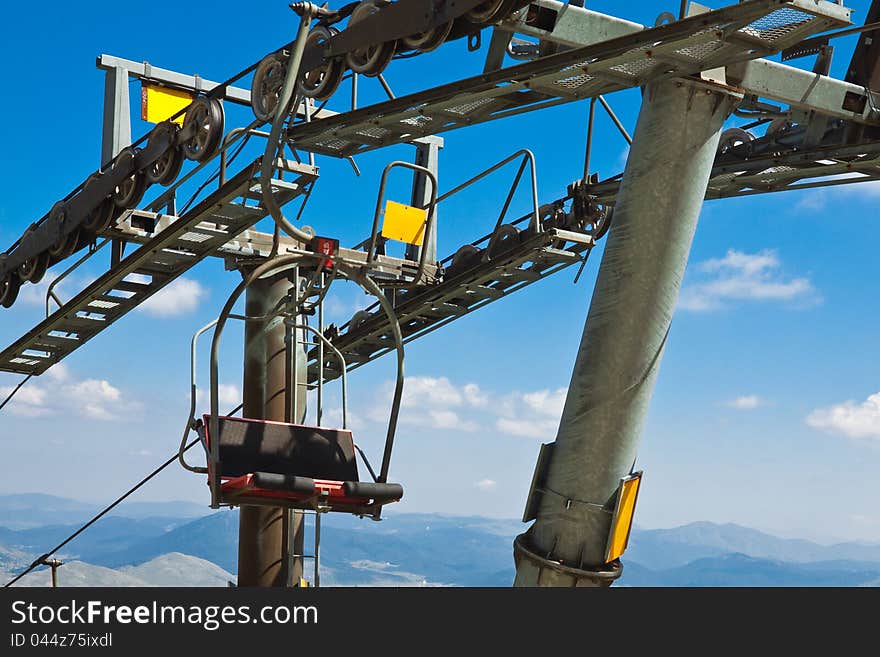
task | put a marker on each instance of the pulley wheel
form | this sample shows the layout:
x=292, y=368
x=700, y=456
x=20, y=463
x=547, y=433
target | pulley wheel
x=204, y=117
x=503, y=239
x=9, y=287
x=372, y=60
x=34, y=268
x=321, y=82
x=357, y=320
x=488, y=11
x=429, y=40
x=101, y=216
x=732, y=138
x=131, y=190
x=266, y=86
x=165, y=169
x=66, y=244
x=466, y=257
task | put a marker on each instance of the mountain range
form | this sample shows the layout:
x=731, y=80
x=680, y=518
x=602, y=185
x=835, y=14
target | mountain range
x=135, y=548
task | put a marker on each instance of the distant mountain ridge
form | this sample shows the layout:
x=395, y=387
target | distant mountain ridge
x=423, y=549
x=172, y=569
x=670, y=548
x=26, y=510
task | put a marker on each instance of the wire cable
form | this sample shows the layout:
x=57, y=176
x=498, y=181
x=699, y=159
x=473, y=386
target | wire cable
x=39, y=560
x=15, y=390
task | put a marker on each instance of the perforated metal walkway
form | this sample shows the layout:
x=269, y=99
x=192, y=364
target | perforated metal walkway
x=749, y=30
x=536, y=255
x=161, y=260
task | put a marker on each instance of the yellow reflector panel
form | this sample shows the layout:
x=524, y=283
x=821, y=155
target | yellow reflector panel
x=160, y=104
x=621, y=522
x=404, y=223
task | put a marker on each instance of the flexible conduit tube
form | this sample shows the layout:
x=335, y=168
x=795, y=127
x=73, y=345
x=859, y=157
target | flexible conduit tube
x=281, y=112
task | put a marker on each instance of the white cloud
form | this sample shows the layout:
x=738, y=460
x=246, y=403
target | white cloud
x=851, y=419
x=434, y=402
x=178, y=298
x=421, y=390
x=742, y=276
x=59, y=372
x=228, y=395
x=61, y=392
x=746, y=402
x=94, y=398
x=35, y=295
x=486, y=485
x=473, y=396
x=446, y=419
x=438, y=403
x=531, y=414
x=533, y=428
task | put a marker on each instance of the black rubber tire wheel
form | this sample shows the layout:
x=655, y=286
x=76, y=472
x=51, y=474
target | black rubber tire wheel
x=131, y=190
x=33, y=269
x=9, y=287
x=266, y=86
x=102, y=217
x=733, y=138
x=66, y=244
x=323, y=81
x=427, y=41
x=486, y=11
x=358, y=319
x=206, y=115
x=503, y=239
x=370, y=61
x=466, y=257
x=165, y=169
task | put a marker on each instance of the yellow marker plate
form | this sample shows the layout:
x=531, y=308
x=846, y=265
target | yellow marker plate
x=404, y=223
x=621, y=522
x=160, y=104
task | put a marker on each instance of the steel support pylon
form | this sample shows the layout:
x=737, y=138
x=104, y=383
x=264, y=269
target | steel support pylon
x=270, y=544
x=625, y=333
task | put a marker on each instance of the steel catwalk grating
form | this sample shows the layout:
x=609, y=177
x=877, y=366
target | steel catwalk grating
x=158, y=262
x=748, y=30
x=534, y=257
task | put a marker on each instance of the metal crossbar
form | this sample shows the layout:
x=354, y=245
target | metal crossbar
x=749, y=30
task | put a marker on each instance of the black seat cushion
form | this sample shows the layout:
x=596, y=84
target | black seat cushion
x=248, y=446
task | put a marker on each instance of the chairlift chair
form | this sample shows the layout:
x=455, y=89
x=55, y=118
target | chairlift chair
x=268, y=463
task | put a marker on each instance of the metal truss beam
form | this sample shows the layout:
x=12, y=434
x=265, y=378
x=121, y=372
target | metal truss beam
x=687, y=47
x=574, y=27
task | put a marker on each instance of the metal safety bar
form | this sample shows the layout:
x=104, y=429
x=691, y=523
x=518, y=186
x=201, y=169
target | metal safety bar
x=429, y=220
x=276, y=266
x=528, y=157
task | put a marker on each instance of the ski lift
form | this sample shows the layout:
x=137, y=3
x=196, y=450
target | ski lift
x=267, y=463
x=280, y=464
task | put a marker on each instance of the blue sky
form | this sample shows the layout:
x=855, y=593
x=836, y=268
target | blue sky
x=763, y=413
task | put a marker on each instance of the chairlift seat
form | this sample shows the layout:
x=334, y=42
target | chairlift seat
x=279, y=464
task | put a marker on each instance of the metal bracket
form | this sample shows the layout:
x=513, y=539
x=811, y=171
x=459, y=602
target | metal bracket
x=539, y=479
x=597, y=577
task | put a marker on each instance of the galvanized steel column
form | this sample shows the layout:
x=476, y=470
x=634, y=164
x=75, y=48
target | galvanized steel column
x=630, y=314
x=263, y=532
x=117, y=114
